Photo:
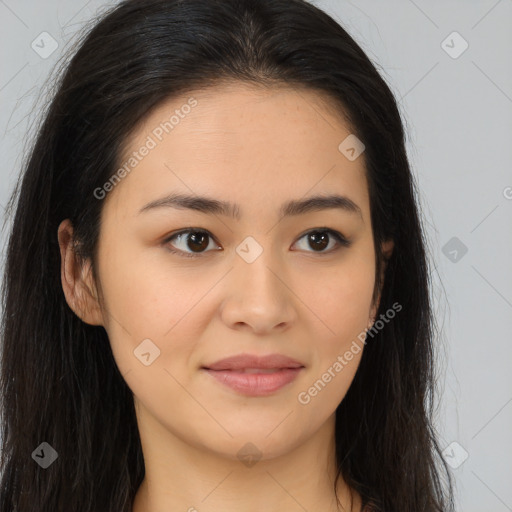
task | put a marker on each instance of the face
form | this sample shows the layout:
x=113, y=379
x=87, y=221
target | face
x=185, y=285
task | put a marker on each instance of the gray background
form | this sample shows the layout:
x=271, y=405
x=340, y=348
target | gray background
x=458, y=113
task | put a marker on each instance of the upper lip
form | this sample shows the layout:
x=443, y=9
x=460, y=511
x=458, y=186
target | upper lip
x=243, y=361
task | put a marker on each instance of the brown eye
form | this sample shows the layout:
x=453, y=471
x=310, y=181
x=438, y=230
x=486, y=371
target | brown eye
x=196, y=241
x=319, y=240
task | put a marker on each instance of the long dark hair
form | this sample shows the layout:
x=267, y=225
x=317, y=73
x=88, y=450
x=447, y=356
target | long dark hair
x=55, y=367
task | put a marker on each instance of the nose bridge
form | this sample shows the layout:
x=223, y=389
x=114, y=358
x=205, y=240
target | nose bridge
x=256, y=266
x=257, y=296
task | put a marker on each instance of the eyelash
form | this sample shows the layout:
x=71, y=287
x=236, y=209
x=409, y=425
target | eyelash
x=342, y=241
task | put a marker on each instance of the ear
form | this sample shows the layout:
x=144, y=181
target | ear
x=387, y=251
x=77, y=279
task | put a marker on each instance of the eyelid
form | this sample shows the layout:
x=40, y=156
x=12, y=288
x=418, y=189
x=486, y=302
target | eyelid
x=339, y=237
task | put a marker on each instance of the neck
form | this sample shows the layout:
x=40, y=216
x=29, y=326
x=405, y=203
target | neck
x=180, y=477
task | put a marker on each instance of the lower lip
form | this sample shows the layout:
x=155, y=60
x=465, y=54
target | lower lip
x=255, y=384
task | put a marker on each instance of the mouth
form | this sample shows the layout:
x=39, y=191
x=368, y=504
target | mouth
x=253, y=374
x=255, y=381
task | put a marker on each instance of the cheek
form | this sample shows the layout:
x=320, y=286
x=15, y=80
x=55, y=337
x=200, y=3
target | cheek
x=146, y=302
x=344, y=309
x=343, y=297
x=339, y=344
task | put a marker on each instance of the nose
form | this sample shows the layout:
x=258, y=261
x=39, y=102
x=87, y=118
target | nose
x=258, y=297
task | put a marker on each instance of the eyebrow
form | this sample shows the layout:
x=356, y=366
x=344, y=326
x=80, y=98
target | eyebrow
x=290, y=208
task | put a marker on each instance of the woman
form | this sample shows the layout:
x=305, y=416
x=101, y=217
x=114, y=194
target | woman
x=216, y=293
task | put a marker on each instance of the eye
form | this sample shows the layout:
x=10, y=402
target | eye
x=197, y=241
x=319, y=239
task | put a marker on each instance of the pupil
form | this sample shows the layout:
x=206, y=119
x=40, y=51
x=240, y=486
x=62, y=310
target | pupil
x=320, y=236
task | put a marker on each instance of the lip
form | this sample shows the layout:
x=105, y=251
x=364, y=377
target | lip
x=253, y=375
x=243, y=361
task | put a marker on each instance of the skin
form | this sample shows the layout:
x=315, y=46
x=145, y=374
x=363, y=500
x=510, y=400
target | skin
x=259, y=148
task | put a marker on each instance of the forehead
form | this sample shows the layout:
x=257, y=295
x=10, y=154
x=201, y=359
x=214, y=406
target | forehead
x=258, y=143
